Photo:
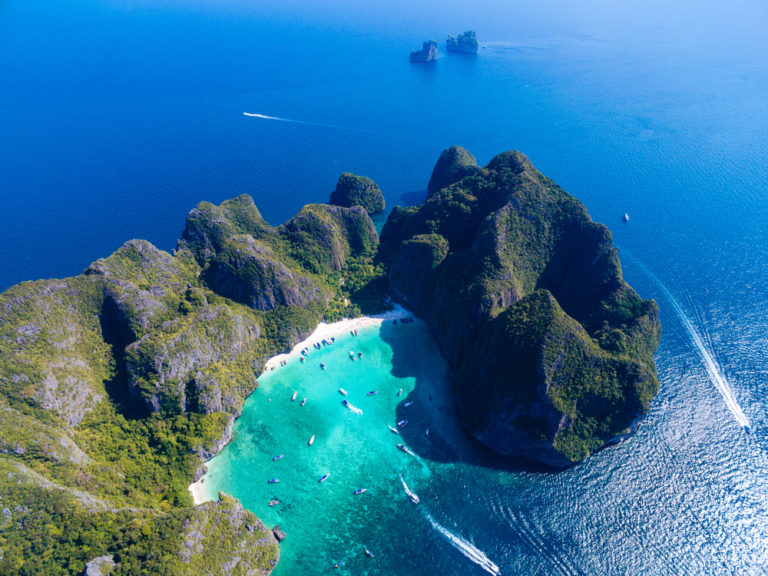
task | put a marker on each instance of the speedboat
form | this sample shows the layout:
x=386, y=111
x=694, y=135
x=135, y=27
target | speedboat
x=311, y=440
x=352, y=408
x=402, y=423
x=294, y=396
x=342, y=392
x=278, y=457
x=392, y=429
x=626, y=217
x=359, y=491
x=411, y=495
x=303, y=402
x=324, y=477
x=373, y=392
x=274, y=502
x=273, y=481
x=400, y=392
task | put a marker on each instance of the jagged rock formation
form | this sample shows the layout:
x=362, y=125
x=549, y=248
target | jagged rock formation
x=352, y=190
x=428, y=53
x=552, y=351
x=465, y=43
x=115, y=384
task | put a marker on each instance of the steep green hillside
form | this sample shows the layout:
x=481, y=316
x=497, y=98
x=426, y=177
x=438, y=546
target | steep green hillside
x=117, y=384
x=552, y=351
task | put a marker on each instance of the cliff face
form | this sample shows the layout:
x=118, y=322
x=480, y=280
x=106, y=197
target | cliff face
x=116, y=383
x=428, y=53
x=552, y=351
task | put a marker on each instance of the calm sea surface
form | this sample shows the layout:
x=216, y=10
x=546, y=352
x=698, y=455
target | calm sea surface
x=117, y=117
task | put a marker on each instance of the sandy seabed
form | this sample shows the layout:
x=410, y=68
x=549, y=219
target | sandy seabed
x=322, y=332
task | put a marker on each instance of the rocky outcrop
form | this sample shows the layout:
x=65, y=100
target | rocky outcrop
x=352, y=190
x=552, y=351
x=428, y=53
x=465, y=43
x=454, y=164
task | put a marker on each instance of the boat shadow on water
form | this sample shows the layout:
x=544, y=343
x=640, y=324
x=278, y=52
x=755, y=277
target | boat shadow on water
x=433, y=431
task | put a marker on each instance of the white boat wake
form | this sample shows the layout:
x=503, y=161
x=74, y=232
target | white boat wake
x=292, y=121
x=411, y=494
x=713, y=370
x=467, y=548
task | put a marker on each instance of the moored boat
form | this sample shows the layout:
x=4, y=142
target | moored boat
x=402, y=424
x=294, y=396
x=359, y=491
x=273, y=481
x=274, y=502
x=342, y=392
x=368, y=553
x=324, y=477
x=311, y=440
x=393, y=429
x=304, y=401
x=407, y=404
x=400, y=392
x=278, y=457
x=373, y=393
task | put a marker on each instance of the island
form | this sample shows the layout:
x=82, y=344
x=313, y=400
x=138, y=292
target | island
x=465, y=43
x=428, y=53
x=118, y=384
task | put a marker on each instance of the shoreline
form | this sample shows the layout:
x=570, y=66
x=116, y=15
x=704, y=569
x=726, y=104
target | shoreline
x=323, y=331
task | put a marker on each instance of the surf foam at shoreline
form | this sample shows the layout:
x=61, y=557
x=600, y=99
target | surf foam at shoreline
x=324, y=331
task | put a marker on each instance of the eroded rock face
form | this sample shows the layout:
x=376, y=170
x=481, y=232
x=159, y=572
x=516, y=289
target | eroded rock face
x=428, y=53
x=465, y=43
x=552, y=351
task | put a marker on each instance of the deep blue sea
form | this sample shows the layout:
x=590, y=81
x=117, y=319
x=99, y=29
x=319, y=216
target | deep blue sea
x=117, y=117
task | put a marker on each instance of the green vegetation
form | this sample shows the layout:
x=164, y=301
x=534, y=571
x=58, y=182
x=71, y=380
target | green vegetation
x=352, y=190
x=552, y=350
x=117, y=384
x=465, y=43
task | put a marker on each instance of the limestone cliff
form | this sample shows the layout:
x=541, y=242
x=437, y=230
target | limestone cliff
x=552, y=351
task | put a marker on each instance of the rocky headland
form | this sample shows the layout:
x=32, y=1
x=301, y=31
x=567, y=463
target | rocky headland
x=552, y=352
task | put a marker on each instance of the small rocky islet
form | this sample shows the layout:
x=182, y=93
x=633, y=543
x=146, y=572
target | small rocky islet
x=465, y=43
x=117, y=384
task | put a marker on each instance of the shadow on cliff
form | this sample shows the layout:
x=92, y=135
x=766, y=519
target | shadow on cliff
x=433, y=431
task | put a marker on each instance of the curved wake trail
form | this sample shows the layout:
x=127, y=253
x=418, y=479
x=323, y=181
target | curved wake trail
x=466, y=548
x=713, y=370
